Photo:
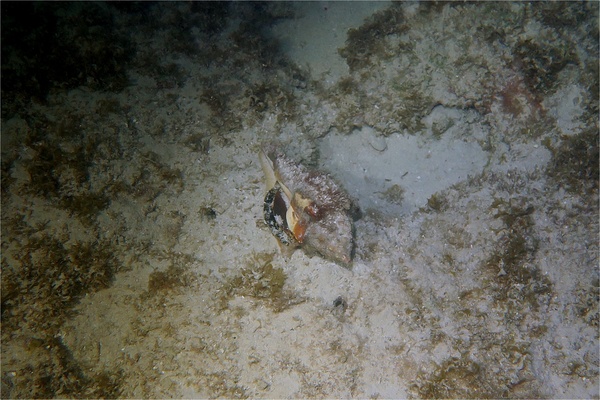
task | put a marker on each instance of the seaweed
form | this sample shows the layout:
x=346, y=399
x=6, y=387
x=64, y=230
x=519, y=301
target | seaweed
x=167, y=176
x=58, y=374
x=60, y=153
x=541, y=63
x=215, y=100
x=85, y=206
x=386, y=117
x=437, y=202
x=514, y=275
x=224, y=116
x=366, y=43
x=41, y=284
x=457, y=377
x=6, y=165
x=58, y=170
x=14, y=226
x=394, y=194
x=199, y=142
x=171, y=279
x=559, y=15
x=207, y=213
x=474, y=374
x=47, y=279
x=574, y=163
x=42, y=170
x=588, y=302
x=260, y=280
x=271, y=97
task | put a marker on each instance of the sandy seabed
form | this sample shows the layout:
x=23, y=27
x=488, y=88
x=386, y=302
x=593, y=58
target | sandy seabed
x=135, y=260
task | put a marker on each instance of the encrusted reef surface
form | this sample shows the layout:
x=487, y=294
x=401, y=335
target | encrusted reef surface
x=136, y=261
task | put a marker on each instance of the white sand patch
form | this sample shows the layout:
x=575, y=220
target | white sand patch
x=369, y=165
x=567, y=106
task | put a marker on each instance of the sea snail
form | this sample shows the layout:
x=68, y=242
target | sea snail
x=306, y=208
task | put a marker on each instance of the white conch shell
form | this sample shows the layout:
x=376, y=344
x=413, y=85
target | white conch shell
x=318, y=214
